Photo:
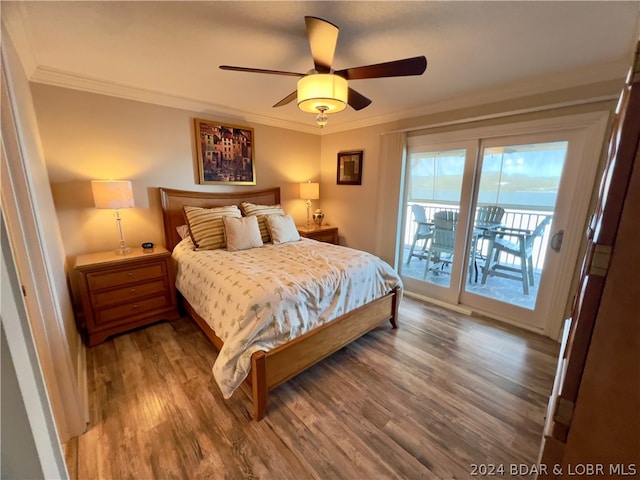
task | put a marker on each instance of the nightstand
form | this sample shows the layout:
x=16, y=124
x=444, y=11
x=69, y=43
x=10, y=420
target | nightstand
x=324, y=233
x=121, y=292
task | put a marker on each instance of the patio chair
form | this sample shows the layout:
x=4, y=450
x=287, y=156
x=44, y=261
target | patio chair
x=423, y=231
x=489, y=215
x=443, y=239
x=517, y=242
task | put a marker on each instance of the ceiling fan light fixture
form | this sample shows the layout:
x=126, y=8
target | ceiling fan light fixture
x=322, y=90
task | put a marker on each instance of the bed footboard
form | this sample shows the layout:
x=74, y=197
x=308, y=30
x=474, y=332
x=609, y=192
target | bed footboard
x=270, y=369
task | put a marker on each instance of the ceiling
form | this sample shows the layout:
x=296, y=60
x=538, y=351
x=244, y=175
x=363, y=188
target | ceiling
x=169, y=52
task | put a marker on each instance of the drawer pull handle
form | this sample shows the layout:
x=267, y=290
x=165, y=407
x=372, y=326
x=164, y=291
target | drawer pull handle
x=135, y=306
x=133, y=290
x=130, y=274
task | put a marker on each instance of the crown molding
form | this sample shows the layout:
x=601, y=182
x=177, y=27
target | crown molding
x=615, y=71
x=528, y=87
x=61, y=78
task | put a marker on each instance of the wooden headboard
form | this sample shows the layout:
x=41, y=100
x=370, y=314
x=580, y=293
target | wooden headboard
x=173, y=202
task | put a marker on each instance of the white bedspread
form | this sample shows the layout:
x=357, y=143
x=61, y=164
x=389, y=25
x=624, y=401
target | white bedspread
x=260, y=298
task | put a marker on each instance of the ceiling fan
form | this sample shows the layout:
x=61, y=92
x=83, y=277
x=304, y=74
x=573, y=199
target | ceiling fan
x=323, y=90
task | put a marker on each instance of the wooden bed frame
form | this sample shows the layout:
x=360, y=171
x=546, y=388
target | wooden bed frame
x=272, y=368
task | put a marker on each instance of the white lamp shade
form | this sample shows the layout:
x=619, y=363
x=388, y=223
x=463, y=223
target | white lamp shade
x=322, y=90
x=310, y=191
x=112, y=194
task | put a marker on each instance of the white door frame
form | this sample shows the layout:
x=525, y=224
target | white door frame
x=36, y=245
x=35, y=449
x=591, y=127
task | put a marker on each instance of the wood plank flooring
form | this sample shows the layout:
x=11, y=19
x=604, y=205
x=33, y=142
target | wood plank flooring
x=429, y=400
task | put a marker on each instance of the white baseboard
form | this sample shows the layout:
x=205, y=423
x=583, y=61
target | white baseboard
x=440, y=303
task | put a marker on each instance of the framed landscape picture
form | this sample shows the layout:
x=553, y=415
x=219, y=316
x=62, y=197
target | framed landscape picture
x=225, y=153
x=350, y=168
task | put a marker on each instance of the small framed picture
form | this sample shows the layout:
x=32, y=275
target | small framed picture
x=350, y=168
x=225, y=153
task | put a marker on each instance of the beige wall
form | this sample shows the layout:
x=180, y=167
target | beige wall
x=87, y=136
x=354, y=209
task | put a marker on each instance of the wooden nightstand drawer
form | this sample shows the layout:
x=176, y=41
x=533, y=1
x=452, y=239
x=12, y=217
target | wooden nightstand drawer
x=328, y=237
x=104, y=298
x=121, y=292
x=129, y=311
x=324, y=233
x=123, y=276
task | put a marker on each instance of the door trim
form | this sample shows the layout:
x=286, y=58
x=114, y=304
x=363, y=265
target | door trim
x=580, y=205
x=592, y=127
x=37, y=254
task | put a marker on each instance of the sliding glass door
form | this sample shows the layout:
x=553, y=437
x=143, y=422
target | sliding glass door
x=484, y=219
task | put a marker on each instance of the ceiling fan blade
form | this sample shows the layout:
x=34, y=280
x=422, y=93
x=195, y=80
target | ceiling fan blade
x=260, y=70
x=396, y=68
x=356, y=100
x=323, y=38
x=288, y=99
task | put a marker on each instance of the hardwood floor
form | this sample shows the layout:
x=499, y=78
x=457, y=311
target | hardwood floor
x=429, y=400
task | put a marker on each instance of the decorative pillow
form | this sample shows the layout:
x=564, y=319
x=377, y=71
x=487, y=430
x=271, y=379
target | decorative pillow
x=183, y=231
x=241, y=233
x=261, y=211
x=282, y=229
x=206, y=227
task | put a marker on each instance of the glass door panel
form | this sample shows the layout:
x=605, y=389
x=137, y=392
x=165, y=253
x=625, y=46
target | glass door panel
x=434, y=186
x=516, y=197
x=434, y=232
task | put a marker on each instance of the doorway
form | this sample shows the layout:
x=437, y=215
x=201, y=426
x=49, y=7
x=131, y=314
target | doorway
x=486, y=216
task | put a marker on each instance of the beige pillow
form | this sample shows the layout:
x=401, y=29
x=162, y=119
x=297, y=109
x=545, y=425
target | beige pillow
x=183, y=231
x=206, y=227
x=282, y=229
x=241, y=233
x=261, y=211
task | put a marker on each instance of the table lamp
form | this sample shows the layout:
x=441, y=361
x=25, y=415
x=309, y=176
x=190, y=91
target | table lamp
x=309, y=191
x=114, y=194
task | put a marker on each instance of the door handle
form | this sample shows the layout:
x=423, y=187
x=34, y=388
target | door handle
x=556, y=241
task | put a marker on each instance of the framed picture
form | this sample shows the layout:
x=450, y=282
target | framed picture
x=225, y=153
x=350, y=168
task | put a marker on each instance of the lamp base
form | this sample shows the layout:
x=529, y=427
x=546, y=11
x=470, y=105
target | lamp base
x=123, y=249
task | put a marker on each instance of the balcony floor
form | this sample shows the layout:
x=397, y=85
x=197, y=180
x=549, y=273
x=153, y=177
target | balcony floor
x=498, y=288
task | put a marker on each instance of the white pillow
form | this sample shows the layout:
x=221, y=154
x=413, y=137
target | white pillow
x=282, y=229
x=241, y=233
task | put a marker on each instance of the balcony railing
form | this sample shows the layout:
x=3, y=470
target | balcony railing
x=522, y=218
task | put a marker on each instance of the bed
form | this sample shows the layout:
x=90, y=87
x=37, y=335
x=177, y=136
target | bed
x=272, y=366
